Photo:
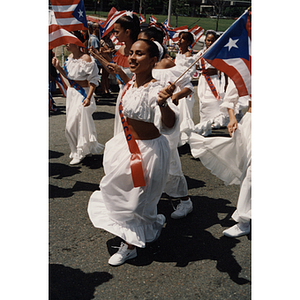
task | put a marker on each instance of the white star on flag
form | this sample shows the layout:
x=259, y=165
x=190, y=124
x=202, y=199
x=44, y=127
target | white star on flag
x=80, y=13
x=231, y=43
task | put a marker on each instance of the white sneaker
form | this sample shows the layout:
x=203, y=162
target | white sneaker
x=122, y=255
x=182, y=209
x=76, y=161
x=237, y=230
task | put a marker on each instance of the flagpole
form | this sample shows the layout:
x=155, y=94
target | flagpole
x=169, y=11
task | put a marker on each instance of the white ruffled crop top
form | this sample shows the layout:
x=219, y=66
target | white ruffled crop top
x=141, y=104
x=79, y=69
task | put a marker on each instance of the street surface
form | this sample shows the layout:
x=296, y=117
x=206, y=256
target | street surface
x=190, y=260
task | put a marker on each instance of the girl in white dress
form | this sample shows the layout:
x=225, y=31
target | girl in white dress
x=209, y=102
x=183, y=60
x=176, y=185
x=80, y=128
x=126, y=30
x=122, y=207
x=230, y=158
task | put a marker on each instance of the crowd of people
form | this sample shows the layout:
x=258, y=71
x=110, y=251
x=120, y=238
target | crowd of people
x=153, y=116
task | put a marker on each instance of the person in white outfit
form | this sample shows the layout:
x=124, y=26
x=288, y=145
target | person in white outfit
x=122, y=207
x=176, y=185
x=242, y=214
x=230, y=159
x=184, y=58
x=80, y=128
x=210, y=93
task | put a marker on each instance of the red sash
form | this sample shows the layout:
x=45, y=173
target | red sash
x=208, y=80
x=136, y=156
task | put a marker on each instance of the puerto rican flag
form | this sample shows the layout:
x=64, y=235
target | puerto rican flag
x=198, y=32
x=152, y=19
x=61, y=84
x=173, y=33
x=112, y=17
x=142, y=18
x=116, y=41
x=167, y=24
x=231, y=54
x=70, y=14
x=59, y=36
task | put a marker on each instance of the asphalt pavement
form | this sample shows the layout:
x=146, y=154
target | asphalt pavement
x=190, y=260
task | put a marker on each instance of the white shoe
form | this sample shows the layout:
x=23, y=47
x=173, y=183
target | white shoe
x=237, y=230
x=76, y=161
x=182, y=209
x=122, y=255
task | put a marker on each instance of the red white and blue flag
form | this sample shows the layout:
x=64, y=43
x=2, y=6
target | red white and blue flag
x=112, y=17
x=142, y=18
x=231, y=54
x=197, y=32
x=152, y=19
x=173, y=33
x=59, y=36
x=70, y=14
x=61, y=84
x=167, y=24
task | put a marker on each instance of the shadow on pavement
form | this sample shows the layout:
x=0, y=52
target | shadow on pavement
x=60, y=192
x=62, y=170
x=55, y=154
x=187, y=240
x=66, y=283
x=102, y=115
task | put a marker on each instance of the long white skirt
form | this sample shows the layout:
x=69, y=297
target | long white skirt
x=119, y=207
x=186, y=119
x=80, y=128
x=230, y=160
x=209, y=106
x=227, y=158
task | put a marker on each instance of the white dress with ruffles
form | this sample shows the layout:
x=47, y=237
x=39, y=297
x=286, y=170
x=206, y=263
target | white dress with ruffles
x=229, y=158
x=80, y=128
x=176, y=185
x=209, y=107
x=119, y=207
x=186, y=104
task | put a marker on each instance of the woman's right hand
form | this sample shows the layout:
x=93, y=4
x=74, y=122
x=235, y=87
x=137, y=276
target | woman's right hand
x=232, y=126
x=55, y=62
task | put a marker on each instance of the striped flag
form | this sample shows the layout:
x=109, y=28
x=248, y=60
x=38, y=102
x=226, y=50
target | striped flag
x=112, y=17
x=142, y=18
x=59, y=36
x=167, y=24
x=116, y=41
x=174, y=33
x=197, y=32
x=231, y=54
x=70, y=14
x=152, y=19
x=61, y=84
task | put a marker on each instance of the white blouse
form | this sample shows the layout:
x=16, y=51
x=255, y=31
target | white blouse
x=79, y=69
x=141, y=104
